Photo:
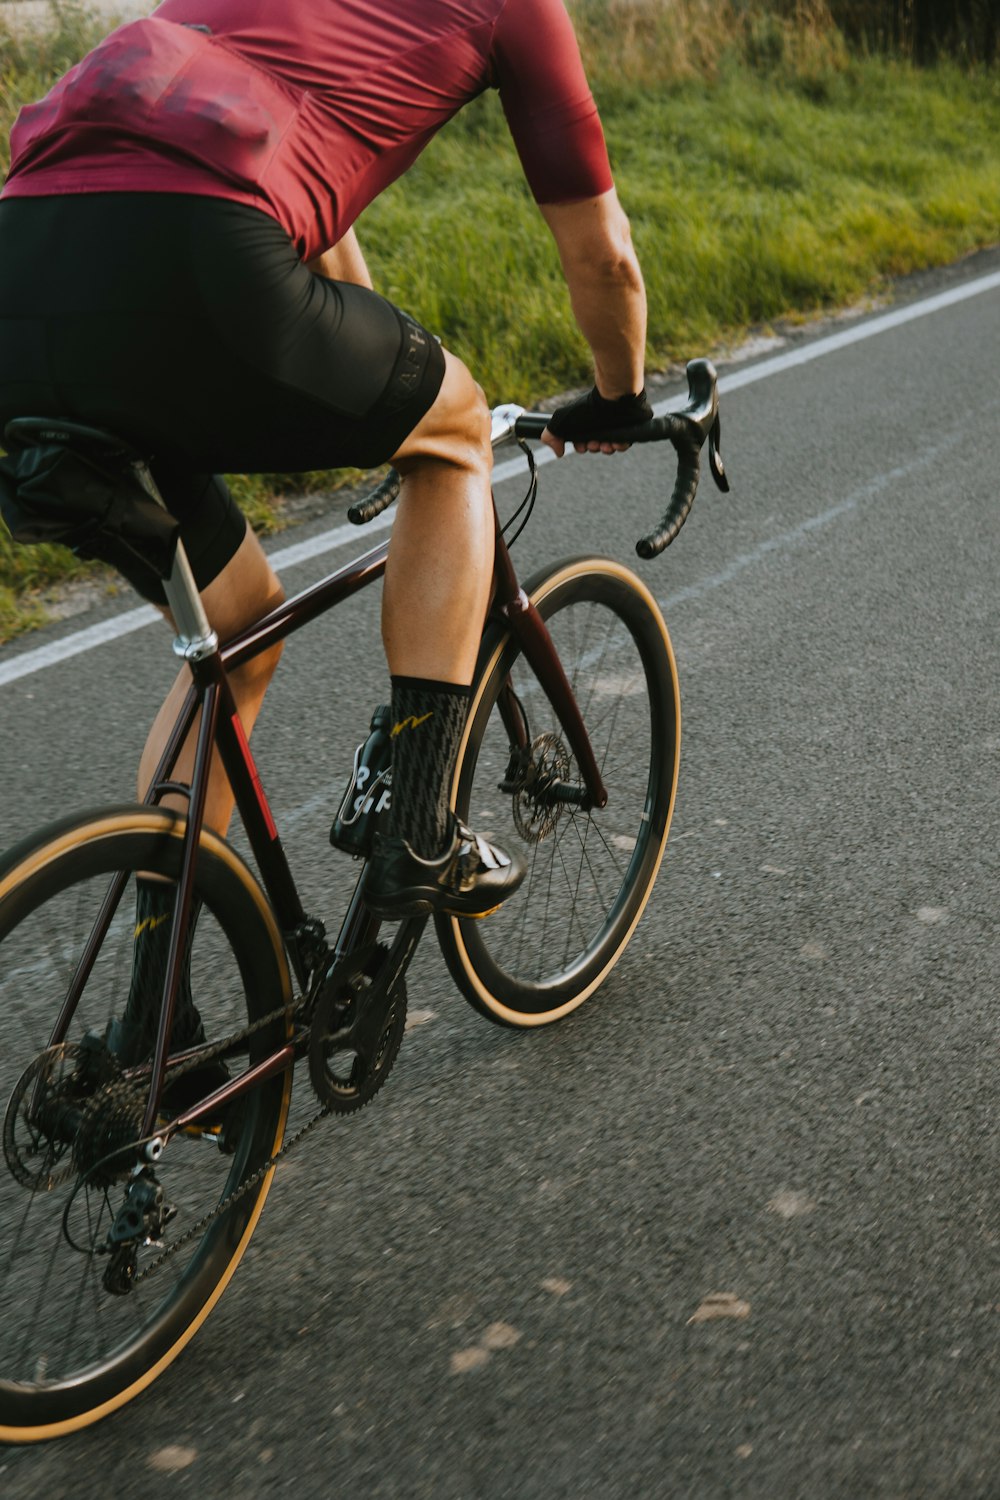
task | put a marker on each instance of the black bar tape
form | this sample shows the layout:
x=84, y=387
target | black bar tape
x=688, y=470
x=370, y=506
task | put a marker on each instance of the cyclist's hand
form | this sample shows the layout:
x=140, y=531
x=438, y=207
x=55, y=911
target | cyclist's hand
x=580, y=422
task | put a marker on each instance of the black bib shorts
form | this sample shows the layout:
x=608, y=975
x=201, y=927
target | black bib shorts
x=190, y=327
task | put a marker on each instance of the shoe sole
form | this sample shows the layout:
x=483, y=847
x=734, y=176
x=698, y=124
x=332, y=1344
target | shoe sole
x=410, y=904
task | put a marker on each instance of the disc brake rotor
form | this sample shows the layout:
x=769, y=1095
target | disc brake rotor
x=535, y=815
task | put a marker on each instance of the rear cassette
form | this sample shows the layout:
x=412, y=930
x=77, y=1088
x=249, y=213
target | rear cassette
x=47, y=1109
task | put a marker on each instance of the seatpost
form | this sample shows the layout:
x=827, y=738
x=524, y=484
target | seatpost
x=195, y=638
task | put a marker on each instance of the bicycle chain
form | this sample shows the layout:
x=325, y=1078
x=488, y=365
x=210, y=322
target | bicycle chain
x=207, y=1054
x=202, y=1224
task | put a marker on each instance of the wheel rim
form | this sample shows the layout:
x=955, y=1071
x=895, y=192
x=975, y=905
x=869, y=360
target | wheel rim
x=589, y=873
x=69, y=1346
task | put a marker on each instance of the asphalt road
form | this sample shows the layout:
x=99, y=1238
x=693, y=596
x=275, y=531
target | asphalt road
x=489, y=1284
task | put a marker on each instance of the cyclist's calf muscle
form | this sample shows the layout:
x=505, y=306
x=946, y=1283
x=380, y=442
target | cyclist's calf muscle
x=440, y=563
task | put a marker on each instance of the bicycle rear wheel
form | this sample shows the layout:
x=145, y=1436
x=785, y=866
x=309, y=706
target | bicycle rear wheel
x=590, y=872
x=72, y=1350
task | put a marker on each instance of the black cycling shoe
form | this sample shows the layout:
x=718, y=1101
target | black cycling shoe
x=470, y=879
x=131, y=1043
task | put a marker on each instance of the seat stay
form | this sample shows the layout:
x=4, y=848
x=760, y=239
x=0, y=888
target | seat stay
x=88, y=958
x=182, y=903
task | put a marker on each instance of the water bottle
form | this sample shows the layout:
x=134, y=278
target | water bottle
x=364, y=808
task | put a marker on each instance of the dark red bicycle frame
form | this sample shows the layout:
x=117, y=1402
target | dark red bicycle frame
x=220, y=728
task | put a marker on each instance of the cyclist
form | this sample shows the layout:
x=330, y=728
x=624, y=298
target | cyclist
x=178, y=263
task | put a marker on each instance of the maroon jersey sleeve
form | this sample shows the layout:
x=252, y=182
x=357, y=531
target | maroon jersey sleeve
x=548, y=103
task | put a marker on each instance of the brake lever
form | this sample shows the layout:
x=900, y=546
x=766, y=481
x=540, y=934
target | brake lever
x=715, y=463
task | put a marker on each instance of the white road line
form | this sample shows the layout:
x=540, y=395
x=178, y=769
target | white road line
x=872, y=490
x=72, y=645
x=29, y=662
x=858, y=333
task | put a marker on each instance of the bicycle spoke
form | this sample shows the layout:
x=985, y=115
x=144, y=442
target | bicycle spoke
x=586, y=870
x=31, y=1322
x=574, y=909
x=63, y=1327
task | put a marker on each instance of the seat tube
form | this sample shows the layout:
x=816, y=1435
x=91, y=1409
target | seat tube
x=195, y=637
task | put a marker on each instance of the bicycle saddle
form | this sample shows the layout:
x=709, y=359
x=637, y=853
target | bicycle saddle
x=67, y=482
x=32, y=432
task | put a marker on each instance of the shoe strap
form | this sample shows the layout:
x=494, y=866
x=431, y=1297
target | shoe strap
x=489, y=857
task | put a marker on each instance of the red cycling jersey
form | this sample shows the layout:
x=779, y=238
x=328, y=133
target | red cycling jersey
x=309, y=108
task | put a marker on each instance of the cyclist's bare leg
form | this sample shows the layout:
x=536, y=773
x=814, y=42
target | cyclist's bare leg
x=245, y=589
x=437, y=578
x=437, y=587
x=440, y=566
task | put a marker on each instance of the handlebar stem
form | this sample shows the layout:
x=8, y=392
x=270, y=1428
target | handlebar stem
x=504, y=423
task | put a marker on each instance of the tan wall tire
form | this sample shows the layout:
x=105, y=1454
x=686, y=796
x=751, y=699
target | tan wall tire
x=72, y=1357
x=590, y=874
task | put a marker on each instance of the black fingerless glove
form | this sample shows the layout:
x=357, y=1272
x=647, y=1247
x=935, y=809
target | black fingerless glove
x=588, y=417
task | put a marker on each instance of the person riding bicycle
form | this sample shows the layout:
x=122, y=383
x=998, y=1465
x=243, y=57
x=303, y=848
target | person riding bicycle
x=178, y=264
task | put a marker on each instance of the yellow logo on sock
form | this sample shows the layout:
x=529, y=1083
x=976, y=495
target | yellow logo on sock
x=148, y=923
x=411, y=723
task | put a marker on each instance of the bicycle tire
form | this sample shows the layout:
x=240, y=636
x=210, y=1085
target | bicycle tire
x=590, y=873
x=72, y=1353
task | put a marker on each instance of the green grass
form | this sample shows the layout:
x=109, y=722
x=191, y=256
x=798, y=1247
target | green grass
x=766, y=172
x=750, y=199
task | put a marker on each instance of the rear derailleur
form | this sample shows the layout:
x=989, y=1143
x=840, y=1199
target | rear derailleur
x=140, y=1221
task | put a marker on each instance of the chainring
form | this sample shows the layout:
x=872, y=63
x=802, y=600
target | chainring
x=356, y=1032
x=46, y=1110
x=535, y=816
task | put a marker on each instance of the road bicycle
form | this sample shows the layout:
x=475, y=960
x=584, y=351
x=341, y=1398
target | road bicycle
x=128, y=1194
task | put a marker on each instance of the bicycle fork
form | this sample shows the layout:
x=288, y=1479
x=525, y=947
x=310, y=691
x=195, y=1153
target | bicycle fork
x=532, y=634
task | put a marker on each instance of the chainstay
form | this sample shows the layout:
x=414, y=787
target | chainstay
x=207, y=1054
x=212, y=1050
x=292, y=1013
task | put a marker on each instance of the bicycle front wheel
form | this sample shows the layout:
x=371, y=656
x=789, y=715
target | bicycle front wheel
x=77, y=1342
x=590, y=871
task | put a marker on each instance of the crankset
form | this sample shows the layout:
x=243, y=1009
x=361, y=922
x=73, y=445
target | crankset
x=357, y=1028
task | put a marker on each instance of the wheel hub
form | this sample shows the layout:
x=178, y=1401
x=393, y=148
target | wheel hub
x=535, y=811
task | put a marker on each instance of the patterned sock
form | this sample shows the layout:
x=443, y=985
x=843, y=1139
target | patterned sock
x=427, y=723
x=154, y=910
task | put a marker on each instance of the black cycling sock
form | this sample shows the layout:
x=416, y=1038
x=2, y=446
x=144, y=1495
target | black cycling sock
x=427, y=722
x=154, y=910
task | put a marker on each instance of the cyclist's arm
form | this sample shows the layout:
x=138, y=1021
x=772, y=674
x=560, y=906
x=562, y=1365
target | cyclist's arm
x=342, y=262
x=605, y=287
x=556, y=129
